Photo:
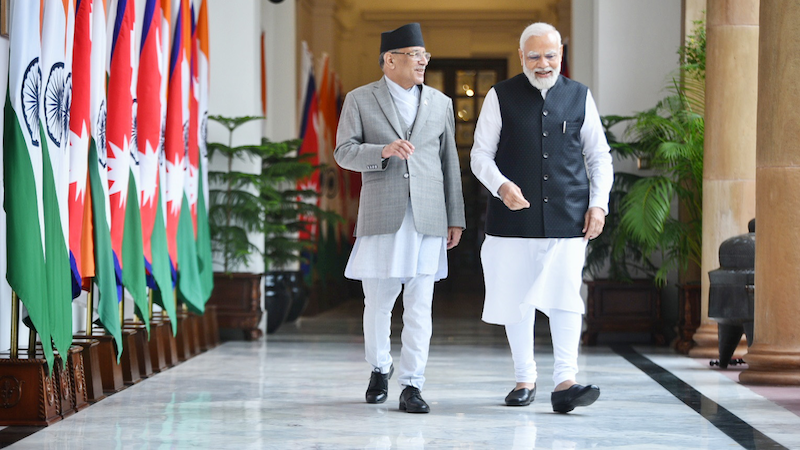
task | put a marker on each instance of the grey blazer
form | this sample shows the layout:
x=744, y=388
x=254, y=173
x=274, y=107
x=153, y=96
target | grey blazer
x=431, y=176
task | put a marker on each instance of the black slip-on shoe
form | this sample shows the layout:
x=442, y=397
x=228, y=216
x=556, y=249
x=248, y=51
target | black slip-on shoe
x=521, y=397
x=576, y=395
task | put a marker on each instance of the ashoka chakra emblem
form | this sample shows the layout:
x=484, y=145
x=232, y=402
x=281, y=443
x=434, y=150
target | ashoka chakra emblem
x=30, y=99
x=54, y=103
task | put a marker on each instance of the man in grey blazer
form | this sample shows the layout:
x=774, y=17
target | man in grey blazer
x=399, y=134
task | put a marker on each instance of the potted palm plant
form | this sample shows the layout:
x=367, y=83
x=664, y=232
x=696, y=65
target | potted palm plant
x=669, y=139
x=622, y=295
x=290, y=211
x=243, y=204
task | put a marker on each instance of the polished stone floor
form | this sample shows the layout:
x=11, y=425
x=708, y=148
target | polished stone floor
x=303, y=388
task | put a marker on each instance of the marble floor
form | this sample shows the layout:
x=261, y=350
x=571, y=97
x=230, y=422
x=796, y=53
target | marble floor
x=303, y=388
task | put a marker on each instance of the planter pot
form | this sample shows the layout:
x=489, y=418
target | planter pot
x=237, y=298
x=614, y=306
x=300, y=294
x=277, y=299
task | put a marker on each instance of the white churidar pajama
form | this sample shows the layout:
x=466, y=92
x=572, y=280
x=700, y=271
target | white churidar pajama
x=525, y=274
x=386, y=262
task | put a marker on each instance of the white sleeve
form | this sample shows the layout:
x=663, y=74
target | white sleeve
x=484, y=147
x=596, y=154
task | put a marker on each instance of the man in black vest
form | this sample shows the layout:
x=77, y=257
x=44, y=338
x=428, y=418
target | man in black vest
x=541, y=152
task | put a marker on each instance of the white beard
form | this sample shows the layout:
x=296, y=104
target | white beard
x=542, y=83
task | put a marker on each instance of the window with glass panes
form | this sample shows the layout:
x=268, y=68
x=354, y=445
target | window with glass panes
x=467, y=81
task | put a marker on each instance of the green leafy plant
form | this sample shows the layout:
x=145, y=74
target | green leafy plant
x=612, y=251
x=267, y=202
x=670, y=138
x=292, y=209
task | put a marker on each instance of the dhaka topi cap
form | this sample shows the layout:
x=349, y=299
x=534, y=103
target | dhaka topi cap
x=409, y=35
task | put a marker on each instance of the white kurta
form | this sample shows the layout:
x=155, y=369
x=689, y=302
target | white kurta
x=524, y=273
x=406, y=253
x=544, y=273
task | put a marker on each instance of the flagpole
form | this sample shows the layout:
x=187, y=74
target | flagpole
x=150, y=303
x=89, y=309
x=32, y=342
x=14, y=325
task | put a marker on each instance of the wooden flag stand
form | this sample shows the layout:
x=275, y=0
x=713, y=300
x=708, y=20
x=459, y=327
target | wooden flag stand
x=129, y=359
x=211, y=326
x=142, y=346
x=28, y=396
x=90, y=351
x=185, y=337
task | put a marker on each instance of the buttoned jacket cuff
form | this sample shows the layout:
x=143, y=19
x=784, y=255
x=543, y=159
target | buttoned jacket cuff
x=375, y=162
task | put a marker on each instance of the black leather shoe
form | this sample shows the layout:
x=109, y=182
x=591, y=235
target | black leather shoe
x=411, y=401
x=576, y=395
x=378, y=388
x=521, y=397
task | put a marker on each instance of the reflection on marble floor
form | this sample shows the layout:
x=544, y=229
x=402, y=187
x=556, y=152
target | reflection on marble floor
x=303, y=388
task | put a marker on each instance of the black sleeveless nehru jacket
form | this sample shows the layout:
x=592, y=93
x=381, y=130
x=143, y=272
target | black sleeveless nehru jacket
x=540, y=151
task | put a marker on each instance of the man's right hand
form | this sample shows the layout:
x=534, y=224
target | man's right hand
x=512, y=196
x=400, y=148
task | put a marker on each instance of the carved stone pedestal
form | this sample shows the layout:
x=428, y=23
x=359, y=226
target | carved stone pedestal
x=90, y=350
x=28, y=397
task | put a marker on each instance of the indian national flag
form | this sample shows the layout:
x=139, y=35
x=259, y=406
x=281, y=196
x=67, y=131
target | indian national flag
x=189, y=287
x=22, y=170
x=203, y=75
x=53, y=118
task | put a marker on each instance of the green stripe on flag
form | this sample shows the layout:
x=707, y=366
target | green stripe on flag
x=57, y=266
x=162, y=272
x=206, y=264
x=133, y=273
x=108, y=302
x=189, y=288
x=25, y=251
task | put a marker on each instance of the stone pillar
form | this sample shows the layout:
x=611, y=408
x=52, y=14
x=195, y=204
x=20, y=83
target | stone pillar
x=730, y=140
x=774, y=357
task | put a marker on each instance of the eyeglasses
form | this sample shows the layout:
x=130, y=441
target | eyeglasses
x=416, y=55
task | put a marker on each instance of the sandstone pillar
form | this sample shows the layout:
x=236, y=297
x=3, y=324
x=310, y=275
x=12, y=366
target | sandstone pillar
x=730, y=140
x=774, y=357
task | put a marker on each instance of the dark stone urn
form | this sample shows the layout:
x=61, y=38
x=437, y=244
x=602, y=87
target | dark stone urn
x=731, y=292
